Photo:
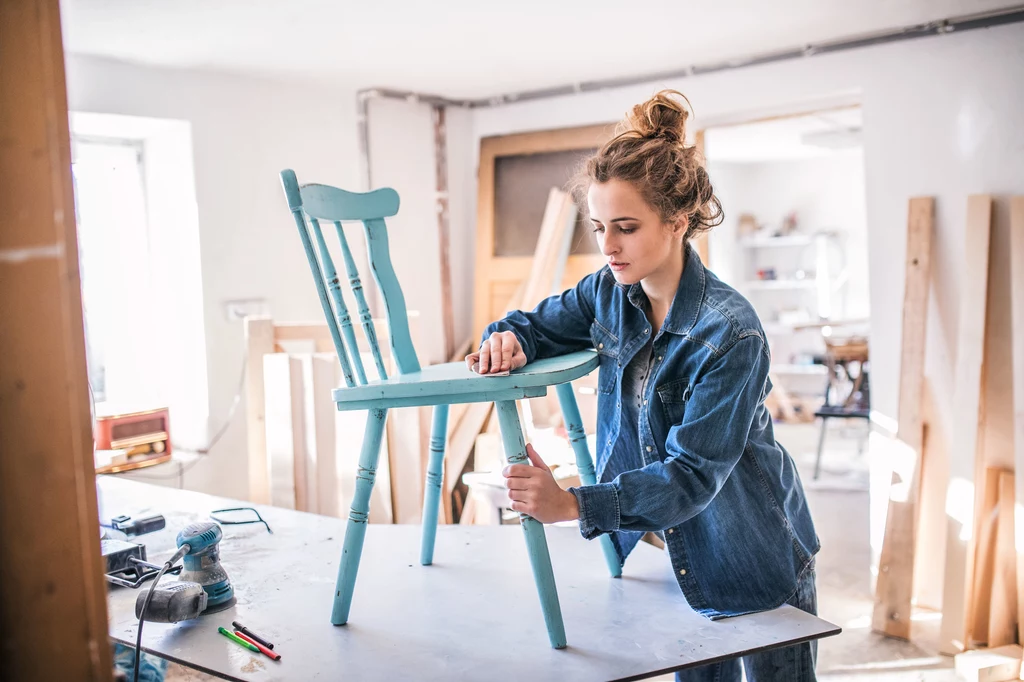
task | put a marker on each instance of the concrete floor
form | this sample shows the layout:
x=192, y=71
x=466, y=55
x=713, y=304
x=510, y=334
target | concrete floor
x=839, y=504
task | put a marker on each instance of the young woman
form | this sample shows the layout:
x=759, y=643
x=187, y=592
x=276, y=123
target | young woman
x=685, y=443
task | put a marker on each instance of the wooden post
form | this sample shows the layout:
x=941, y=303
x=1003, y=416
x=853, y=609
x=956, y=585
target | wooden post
x=700, y=244
x=259, y=341
x=967, y=412
x=53, y=619
x=894, y=587
x=1017, y=324
x=1002, y=622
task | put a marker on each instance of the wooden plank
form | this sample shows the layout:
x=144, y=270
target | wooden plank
x=931, y=517
x=701, y=244
x=51, y=578
x=894, y=587
x=967, y=414
x=1017, y=324
x=285, y=432
x=979, y=607
x=321, y=376
x=989, y=665
x=259, y=341
x=559, y=219
x=1002, y=623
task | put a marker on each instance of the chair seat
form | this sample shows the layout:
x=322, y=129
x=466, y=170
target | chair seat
x=852, y=412
x=453, y=382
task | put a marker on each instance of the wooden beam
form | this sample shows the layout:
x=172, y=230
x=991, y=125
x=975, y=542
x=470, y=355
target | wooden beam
x=964, y=428
x=700, y=244
x=1002, y=622
x=259, y=341
x=53, y=618
x=1017, y=352
x=978, y=608
x=894, y=588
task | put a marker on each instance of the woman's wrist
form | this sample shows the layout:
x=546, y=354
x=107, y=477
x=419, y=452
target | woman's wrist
x=572, y=507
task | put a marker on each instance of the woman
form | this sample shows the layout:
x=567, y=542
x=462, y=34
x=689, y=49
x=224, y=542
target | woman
x=685, y=443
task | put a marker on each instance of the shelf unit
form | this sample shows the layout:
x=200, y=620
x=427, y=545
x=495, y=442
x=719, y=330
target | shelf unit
x=806, y=282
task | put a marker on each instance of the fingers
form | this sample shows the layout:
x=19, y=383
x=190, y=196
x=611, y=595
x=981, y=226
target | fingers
x=517, y=483
x=496, y=351
x=484, y=357
x=500, y=352
x=535, y=459
x=519, y=471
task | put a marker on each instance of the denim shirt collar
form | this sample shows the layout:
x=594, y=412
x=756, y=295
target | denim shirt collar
x=682, y=314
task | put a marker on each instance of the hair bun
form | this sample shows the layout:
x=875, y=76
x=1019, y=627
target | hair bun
x=662, y=116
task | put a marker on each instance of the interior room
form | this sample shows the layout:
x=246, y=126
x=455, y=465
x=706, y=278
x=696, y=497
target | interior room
x=309, y=306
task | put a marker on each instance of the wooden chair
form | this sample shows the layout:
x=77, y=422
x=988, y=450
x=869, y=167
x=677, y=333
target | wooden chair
x=438, y=385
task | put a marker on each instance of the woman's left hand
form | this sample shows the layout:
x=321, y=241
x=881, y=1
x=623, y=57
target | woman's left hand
x=533, y=491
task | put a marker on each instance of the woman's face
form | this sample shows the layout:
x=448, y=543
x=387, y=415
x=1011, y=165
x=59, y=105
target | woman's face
x=630, y=233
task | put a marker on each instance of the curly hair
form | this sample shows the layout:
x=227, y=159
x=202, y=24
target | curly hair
x=649, y=151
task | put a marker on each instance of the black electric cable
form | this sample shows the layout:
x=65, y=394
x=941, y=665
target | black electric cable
x=142, y=617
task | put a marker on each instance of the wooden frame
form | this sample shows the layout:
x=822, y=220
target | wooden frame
x=54, y=615
x=407, y=428
x=516, y=269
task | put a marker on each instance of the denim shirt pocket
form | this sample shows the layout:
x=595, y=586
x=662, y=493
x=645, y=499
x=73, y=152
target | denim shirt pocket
x=673, y=396
x=607, y=346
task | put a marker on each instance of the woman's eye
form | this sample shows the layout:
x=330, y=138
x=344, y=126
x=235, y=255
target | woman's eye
x=627, y=230
x=598, y=228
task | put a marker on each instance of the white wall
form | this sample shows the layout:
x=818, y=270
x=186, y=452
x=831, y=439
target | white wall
x=941, y=117
x=402, y=156
x=244, y=131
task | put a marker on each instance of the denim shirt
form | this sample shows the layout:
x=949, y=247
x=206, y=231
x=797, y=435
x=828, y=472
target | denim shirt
x=694, y=455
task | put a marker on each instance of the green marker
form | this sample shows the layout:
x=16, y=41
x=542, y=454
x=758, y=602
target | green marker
x=235, y=638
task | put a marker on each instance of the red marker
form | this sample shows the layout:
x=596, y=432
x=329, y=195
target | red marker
x=272, y=655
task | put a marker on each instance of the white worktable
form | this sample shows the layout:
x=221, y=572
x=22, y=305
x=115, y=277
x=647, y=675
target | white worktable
x=473, y=615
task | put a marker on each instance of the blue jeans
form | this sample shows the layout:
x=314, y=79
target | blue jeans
x=790, y=664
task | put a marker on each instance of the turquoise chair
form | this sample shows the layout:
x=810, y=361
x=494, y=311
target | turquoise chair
x=438, y=385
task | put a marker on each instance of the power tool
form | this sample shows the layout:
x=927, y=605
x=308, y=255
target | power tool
x=202, y=563
x=203, y=586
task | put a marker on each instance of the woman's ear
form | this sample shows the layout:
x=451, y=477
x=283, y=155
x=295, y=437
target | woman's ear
x=680, y=225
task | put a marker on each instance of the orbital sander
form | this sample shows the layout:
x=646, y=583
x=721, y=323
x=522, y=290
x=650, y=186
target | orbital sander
x=203, y=586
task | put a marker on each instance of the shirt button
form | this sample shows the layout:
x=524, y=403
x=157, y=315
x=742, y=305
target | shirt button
x=682, y=571
x=647, y=331
x=600, y=345
x=649, y=448
x=645, y=402
x=659, y=357
x=671, y=530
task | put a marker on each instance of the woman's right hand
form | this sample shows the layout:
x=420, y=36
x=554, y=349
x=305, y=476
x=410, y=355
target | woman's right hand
x=500, y=352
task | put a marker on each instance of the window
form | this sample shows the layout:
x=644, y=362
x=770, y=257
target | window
x=114, y=260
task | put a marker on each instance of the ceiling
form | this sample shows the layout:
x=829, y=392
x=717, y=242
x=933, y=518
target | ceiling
x=471, y=48
x=794, y=137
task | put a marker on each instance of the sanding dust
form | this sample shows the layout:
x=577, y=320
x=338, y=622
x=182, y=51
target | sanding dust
x=252, y=666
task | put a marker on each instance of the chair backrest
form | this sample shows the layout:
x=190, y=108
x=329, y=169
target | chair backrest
x=309, y=205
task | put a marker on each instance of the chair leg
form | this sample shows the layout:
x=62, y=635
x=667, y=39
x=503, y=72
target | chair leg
x=536, y=542
x=821, y=448
x=358, y=515
x=432, y=489
x=585, y=463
